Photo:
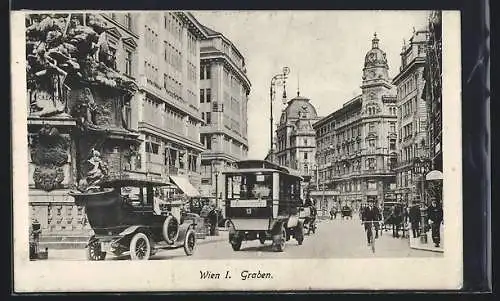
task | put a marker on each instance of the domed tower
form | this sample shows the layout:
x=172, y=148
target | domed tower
x=376, y=69
x=376, y=85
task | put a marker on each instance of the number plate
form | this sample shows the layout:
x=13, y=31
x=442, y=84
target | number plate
x=105, y=246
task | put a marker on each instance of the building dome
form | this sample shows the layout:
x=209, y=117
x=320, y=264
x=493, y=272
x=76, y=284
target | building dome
x=375, y=57
x=297, y=108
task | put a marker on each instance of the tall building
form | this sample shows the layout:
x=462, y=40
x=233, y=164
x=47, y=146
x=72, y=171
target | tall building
x=168, y=112
x=433, y=90
x=356, y=145
x=295, y=137
x=412, y=118
x=223, y=102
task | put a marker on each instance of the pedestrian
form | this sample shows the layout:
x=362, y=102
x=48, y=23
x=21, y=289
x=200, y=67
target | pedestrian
x=435, y=215
x=371, y=214
x=414, y=216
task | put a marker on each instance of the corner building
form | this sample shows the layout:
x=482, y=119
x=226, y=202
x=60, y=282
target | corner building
x=412, y=118
x=168, y=114
x=295, y=137
x=356, y=145
x=223, y=102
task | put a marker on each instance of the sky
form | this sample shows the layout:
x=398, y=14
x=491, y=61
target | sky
x=324, y=50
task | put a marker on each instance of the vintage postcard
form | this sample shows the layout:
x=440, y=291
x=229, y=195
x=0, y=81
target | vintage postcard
x=236, y=150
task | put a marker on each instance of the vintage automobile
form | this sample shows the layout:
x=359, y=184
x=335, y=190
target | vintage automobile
x=346, y=212
x=126, y=217
x=262, y=202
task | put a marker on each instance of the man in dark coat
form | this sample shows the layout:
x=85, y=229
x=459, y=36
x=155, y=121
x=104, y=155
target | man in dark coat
x=371, y=213
x=414, y=216
x=435, y=215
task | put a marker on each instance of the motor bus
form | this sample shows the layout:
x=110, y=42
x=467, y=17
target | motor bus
x=263, y=201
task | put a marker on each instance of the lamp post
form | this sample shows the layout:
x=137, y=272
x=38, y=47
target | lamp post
x=216, y=174
x=277, y=80
x=420, y=167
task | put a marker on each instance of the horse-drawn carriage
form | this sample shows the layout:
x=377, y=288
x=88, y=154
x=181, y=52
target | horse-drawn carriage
x=262, y=202
x=128, y=218
x=393, y=217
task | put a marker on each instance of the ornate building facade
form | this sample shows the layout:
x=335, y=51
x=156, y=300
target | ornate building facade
x=433, y=90
x=412, y=119
x=224, y=90
x=295, y=137
x=168, y=112
x=356, y=145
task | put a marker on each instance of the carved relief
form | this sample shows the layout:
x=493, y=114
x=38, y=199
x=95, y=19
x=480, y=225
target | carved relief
x=49, y=152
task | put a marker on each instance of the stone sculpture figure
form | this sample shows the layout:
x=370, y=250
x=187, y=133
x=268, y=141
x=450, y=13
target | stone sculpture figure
x=98, y=170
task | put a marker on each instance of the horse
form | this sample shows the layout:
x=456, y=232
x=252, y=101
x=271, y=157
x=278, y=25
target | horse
x=396, y=220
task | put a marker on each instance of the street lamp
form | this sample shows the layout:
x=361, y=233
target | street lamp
x=420, y=167
x=216, y=173
x=277, y=80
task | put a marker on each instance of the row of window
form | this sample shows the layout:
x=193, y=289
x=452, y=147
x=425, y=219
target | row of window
x=409, y=107
x=205, y=95
x=407, y=87
x=151, y=38
x=349, y=148
x=172, y=86
x=127, y=19
x=205, y=72
x=192, y=45
x=407, y=131
x=172, y=56
x=151, y=73
x=192, y=74
x=173, y=26
x=408, y=153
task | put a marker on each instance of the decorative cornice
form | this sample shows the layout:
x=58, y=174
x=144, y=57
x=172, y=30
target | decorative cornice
x=222, y=57
x=114, y=32
x=130, y=41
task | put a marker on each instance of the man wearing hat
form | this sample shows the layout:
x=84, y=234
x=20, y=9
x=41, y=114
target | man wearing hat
x=371, y=214
x=435, y=215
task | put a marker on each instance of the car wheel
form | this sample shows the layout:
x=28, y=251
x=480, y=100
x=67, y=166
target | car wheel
x=236, y=243
x=170, y=229
x=94, y=252
x=140, y=247
x=189, y=242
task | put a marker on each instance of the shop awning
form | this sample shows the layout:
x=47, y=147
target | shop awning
x=184, y=185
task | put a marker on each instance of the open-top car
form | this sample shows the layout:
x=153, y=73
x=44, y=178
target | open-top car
x=129, y=216
x=262, y=202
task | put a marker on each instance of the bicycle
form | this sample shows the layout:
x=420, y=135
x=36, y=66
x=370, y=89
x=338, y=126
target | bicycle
x=370, y=234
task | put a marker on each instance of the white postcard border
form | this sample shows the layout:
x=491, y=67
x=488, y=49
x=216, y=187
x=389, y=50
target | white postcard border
x=288, y=274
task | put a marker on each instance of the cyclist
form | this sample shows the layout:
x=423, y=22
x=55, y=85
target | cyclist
x=371, y=214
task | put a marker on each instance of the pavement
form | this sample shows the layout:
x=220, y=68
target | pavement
x=417, y=244
x=81, y=253
x=333, y=239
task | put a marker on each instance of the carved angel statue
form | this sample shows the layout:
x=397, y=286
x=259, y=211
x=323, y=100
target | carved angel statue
x=98, y=171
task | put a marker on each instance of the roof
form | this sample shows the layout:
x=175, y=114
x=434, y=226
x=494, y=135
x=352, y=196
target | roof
x=296, y=107
x=210, y=31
